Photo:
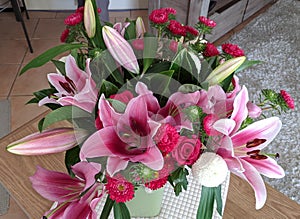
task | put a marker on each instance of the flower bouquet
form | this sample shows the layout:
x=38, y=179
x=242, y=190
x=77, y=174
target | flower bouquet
x=147, y=109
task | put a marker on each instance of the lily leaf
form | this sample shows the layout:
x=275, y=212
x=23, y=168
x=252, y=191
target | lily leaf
x=149, y=54
x=121, y=211
x=218, y=197
x=49, y=55
x=247, y=64
x=60, y=66
x=63, y=113
x=107, y=208
x=206, y=204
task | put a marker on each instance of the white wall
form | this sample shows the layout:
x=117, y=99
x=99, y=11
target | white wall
x=71, y=4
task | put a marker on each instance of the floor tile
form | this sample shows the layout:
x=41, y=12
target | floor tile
x=41, y=14
x=49, y=28
x=7, y=15
x=63, y=15
x=11, y=29
x=32, y=80
x=12, y=51
x=14, y=211
x=8, y=74
x=22, y=113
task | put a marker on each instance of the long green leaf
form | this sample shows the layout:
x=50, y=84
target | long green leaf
x=149, y=54
x=49, y=54
x=64, y=113
x=121, y=211
x=218, y=197
x=107, y=208
x=206, y=204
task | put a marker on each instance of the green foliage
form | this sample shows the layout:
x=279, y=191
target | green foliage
x=71, y=158
x=121, y=211
x=107, y=208
x=178, y=180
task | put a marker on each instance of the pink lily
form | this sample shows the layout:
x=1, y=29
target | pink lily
x=241, y=148
x=76, y=197
x=120, y=49
x=121, y=28
x=125, y=137
x=76, y=88
x=49, y=141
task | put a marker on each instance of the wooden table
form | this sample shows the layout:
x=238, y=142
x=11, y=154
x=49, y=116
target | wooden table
x=15, y=171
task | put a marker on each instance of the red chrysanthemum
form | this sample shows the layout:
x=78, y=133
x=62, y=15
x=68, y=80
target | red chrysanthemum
x=170, y=10
x=80, y=10
x=207, y=22
x=288, y=99
x=159, y=16
x=210, y=50
x=232, y=49
x=74, y=19
x=64, y=35
x=177, y=28
x=166, y=138
x=192, y=30
x=157, y=184
x=119, y=189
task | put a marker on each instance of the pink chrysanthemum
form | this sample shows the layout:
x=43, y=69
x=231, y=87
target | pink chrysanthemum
x=177, y=28
x=232, y=49
x=192, y=30
x=119, y=189
x=64, y=35
x=74, y=19
x=159, y=16
x=170, y=10
x=173, y=46
x=157, y=184
x=207, y=22
x=288, y=99
x=210, y=50
x=166, y=138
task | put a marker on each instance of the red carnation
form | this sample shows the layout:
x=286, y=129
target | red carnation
x=159, y=16
x=232, y=50
x=176, y=28
x=74, y=19
x=287, y=99
x=64, y=35
x=192, y=30
x=207, y=22
x=170, y=10
x=210, y=50
x=80, y=10
x=166, y=138
x=119, y=189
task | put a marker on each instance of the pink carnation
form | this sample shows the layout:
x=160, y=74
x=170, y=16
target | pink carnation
x=74, y=19
x=288, y=99
x=157, y=184
x=64, y=35
x=166, y=138
x=207, y=22
x=119, y=189
x=177, y=28
x=232, y=49
x=173, y=46
x=210, y=50
x=159, y=16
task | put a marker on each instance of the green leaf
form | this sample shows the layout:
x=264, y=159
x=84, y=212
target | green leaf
x=107, y=208
x=206, y=204
x=189, y=88
x=98, y=39
x=130, y=32
x=118, y=105
x=178, y=180
x=121, y=211
x=40, y=124
x=247, y=64
x=149, y=54
x=64, y=113
x=108, y=88
x=49, y=55
x=60, y=66
x=218, y=197
x=71, y=158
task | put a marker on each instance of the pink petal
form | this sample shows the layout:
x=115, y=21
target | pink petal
x=87, y=172
x=54, y=79
x=263, y=129
x=224, y=126
x=267, y=167
x=240, y=111
x=108, y=115
x=252, y=176
x=55, y=186
x=253, y=110
x=77, y=75
x=115, y=164
x=147, y=95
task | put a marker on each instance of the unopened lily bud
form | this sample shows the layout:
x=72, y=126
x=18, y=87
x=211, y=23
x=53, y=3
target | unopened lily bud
x=140, y=28
x=89, y=19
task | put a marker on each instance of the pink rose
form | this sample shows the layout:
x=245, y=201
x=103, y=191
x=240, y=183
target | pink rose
x=187, y=150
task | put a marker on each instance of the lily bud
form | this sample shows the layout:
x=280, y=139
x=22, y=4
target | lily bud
x=224, y=70
x=120, y=49
x=48, y=142
x=89, y=18
x=140, y=28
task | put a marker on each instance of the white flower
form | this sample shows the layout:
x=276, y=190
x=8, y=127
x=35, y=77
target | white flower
x=210, y=169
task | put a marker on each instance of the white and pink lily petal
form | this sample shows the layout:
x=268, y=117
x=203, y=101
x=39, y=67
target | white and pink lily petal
x=76, y=88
